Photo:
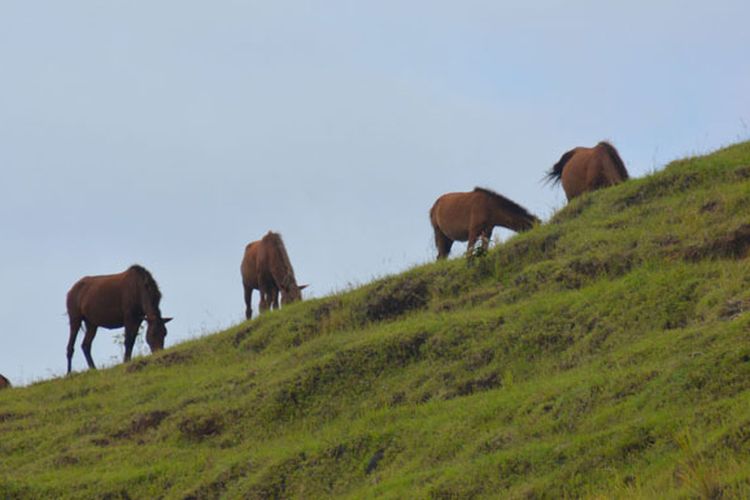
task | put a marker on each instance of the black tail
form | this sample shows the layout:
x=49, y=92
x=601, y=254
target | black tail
x=555, y=174
x=619, y=165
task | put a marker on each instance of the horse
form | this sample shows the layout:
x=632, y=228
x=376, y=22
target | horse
x=266, y=267
x=586, y=169
x=113, y=301
x=473, y=215
x=4, y=383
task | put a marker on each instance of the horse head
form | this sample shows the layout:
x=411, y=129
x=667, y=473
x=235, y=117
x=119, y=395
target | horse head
x=292, y=294
x=156, y=332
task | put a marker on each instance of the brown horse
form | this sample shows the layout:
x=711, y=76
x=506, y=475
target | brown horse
x=585, y=169
x=4, y=383
x=473, y=215
x=113, y=301
x=265, y=267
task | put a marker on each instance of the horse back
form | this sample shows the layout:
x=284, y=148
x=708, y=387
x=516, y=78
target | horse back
x=102, y=300
x=603, y=167
x=271, y=264
x=452, y=213
x=582, y=172
x=258, y=264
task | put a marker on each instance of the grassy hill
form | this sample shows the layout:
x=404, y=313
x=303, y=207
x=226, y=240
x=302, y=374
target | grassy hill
x=605, y=353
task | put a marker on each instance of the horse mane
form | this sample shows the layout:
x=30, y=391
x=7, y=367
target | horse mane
x=274, y=239
x=149, y=283
x=509, y=205
x=555, y=174
x=615, y=156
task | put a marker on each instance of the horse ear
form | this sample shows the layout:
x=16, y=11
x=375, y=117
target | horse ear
x=166, y=320
x=302, y=287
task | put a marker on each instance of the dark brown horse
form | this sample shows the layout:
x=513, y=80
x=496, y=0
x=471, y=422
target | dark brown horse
x=113, y=301
x=4, y=383
x=585, y=169
x=266, y=267
x=473, y=215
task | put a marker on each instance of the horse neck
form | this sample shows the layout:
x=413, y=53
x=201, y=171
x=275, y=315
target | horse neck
x=281, y=268
x=612, y=173
x=148, y=305
x=502, y=216
x=152, y=311
x=283, y=275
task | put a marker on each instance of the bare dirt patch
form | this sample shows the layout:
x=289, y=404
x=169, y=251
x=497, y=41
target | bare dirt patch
x=734, y=308
x=142, y=423
x=166, y=359
x=658, y=187
x=374, y=461
x=242, y=335
x=734, y=245
x=7, y=416
x=66, y=461
x=393, y=298
x=480, y=384
x=201, y=427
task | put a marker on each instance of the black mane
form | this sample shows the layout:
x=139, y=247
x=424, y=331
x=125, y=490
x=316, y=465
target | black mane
x=509, y=205
x=288, y=280
x=619, y=164
x=149, y=283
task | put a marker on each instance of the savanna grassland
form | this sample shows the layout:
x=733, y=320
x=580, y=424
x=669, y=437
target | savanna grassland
x=603, y=354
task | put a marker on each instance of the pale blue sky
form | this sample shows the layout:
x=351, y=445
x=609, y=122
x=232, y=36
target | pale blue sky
x=171, y=133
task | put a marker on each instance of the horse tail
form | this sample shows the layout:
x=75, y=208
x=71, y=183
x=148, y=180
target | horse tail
x=555, y=174
x=615, y=156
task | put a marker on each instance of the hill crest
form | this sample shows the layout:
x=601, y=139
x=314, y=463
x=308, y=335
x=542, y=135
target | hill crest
x=603, y=352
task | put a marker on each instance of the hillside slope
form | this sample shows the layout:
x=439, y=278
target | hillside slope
x=604, y=353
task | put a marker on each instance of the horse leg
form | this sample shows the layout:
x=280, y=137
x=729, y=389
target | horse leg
x=131, y=332
x=75, y=325
x=248, y=302
x=443, y=244
x=274, y=298
x=486, y=235
x=88, y=338
x=264, y=301
x=473, y=235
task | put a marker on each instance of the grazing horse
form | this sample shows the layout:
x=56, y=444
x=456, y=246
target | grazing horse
x=473, y=215
x=4, y=383
x=585, y=169
x=113, y=301
x=265, y=267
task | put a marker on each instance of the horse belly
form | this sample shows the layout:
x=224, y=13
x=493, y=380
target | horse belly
x=108, y=318
x=456, y=233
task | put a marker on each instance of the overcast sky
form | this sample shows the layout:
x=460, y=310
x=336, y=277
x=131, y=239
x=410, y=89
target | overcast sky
x=172, y=133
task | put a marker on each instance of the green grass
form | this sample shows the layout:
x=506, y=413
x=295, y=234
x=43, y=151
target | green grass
x=604, y=354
